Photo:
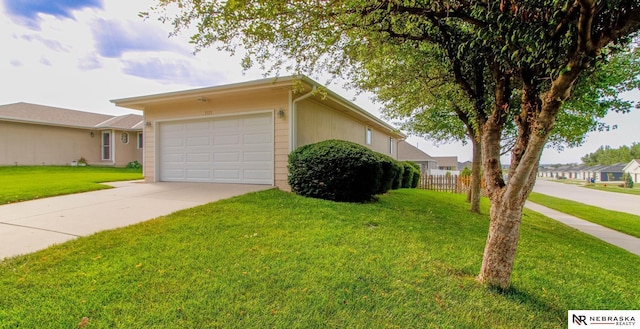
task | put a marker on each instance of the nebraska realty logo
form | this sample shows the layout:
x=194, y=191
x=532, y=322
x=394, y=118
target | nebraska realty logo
x=604, y=319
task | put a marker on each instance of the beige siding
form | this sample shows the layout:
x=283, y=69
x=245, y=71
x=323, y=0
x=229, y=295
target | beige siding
x=125, y=153
x=29, y=144
x=236, y=103
x=34, y=144
x=317, y=122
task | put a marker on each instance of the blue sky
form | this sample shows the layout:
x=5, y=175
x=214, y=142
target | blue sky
x=79, y=54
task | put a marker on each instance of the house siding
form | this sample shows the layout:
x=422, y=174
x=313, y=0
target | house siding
x=317, y=122
x=125, y=153
x=234, y=103
x=35, y=144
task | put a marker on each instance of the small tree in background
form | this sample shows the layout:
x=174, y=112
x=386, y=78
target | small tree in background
x=628, y=181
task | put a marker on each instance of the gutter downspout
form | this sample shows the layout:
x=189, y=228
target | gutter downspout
x=293, y=129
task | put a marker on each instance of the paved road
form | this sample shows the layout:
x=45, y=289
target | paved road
x=607, y=200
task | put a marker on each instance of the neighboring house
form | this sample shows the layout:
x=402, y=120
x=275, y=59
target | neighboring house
x=408, y=152
x=447, y=163
x=33, y=134
x=633, y=169
x=242, y=133
x=611, y=173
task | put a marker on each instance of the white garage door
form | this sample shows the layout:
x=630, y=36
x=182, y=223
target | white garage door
x=236, y=149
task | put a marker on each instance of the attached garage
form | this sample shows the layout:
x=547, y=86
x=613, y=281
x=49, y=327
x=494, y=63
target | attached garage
x=243, y=133
x=226, y=149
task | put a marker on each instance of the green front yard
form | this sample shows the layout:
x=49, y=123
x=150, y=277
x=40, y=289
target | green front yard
x=34, y=182
x=276, y=260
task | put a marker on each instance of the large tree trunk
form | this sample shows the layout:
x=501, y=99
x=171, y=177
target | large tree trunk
x=535, y=122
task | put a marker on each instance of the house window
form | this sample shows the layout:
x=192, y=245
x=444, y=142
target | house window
x=391, y=143
x=106, y=145
x=140, y=140
x=124, y=138
x=368, y=139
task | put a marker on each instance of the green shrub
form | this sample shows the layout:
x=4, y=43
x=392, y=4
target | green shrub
x=390, y=171
x=335, y=170
x=134, y=165
x=407, y=175
x=416, y=178
x=397, y=179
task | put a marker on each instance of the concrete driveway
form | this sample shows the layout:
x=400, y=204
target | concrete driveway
x=607, y=200
x=33, y=225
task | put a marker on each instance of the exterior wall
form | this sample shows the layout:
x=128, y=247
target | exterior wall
x=317, y=122
x=126, y=152
x=235, y=103
x=30, y=144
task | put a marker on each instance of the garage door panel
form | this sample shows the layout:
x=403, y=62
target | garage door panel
x=235, y=149
x=257, y=138
x=227, y=123
x=199, y=157
x=197, y=125
x=198, y=174
x=227, y=140
x=173, y=174
x=199, y=141
x=257, y=122
x=227, y=174
x=226, y=157
x=174, y=142
x=172, y=158
x=257, y=156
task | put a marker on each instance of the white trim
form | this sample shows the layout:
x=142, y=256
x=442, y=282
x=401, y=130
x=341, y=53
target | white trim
x=368, y=135
x=139, y=138
x=102, y=145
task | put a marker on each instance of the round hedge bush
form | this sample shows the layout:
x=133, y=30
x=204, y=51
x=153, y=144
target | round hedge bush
x=335, y=170
x=390, y=172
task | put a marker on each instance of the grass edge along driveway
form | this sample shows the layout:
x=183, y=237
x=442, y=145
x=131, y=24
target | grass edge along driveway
x=274, y=259
x=615, y=220
x=21, y=183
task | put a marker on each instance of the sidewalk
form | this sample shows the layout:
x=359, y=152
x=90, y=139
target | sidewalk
x=624, y=241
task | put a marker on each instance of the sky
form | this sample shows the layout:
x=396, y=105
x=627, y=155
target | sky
x=79, y=54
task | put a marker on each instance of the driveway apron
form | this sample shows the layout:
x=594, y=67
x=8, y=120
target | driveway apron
x=33, y=225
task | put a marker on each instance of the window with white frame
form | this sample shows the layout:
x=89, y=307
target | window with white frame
x=391, y=145
x=106, y=145
x=140, y=140
x=368, y=137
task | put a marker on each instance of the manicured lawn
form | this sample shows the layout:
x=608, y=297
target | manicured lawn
x=619, y=221
x=275, y=260
x=28, y=183
x=614, y=188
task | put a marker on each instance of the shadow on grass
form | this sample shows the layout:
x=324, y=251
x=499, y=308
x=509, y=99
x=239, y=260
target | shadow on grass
x=525, y=298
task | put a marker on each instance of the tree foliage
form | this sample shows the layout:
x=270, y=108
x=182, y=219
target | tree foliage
x=517, y=61
x=606, y=155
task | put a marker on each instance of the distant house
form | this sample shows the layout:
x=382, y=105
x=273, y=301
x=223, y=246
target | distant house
x=610, y=173
x=32, y=134
x=408, y=152
x=447, y=163
x=633, y=169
